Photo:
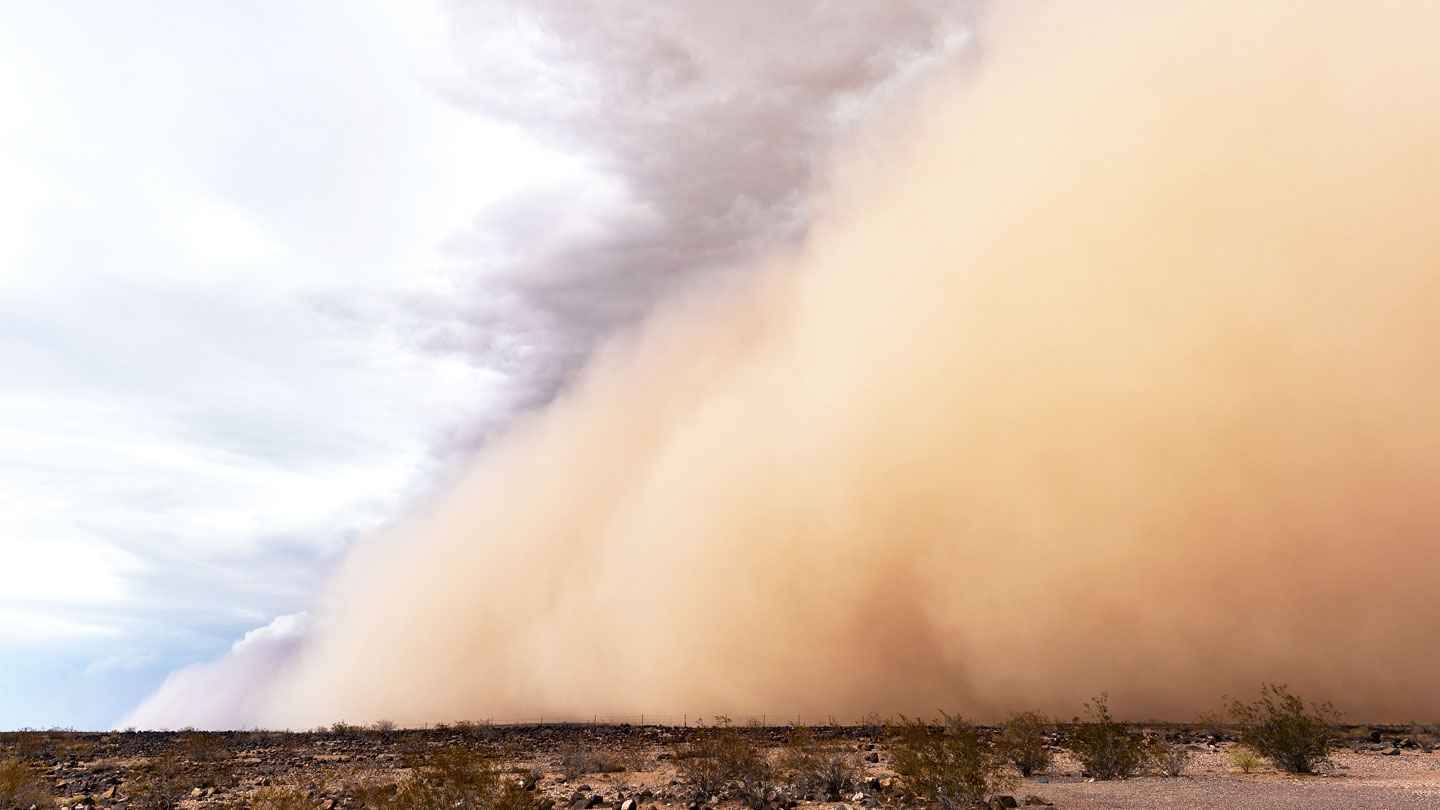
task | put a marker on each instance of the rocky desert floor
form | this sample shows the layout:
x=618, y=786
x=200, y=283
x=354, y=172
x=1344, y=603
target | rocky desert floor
x=634, y=768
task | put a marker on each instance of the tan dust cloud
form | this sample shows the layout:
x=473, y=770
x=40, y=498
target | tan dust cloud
x=1115, y=367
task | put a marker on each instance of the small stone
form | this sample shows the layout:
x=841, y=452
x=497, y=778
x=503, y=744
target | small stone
x=629, y=804
x=1004, y=801
x=1391, y=752
x=872, y=757
x=1044, y=780
x=196, y=793
x=1036, y=801
x=858, y=797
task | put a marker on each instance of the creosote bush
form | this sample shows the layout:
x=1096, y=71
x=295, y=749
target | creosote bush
x=1105, y=748
x=21, y=786
x=820, y=766
x=1284, y=731
x=711, y=760
x=1024, y=744
x=576, y=760
x=947, y=765
x=1170, y=757
x=454, y=778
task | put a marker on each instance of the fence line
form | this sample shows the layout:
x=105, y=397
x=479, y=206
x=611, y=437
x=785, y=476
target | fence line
x=682, y=720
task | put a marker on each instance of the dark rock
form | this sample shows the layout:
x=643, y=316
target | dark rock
x=1003, y=801
x=872, y=757
x=1033, y=800
x=1044, y=780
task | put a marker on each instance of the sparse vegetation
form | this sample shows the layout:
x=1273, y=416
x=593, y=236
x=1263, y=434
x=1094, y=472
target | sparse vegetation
x=158, y=784
x=21, y=786
x=823, y=767
x=949, y=766
x=1024, y=743
x=1243, y=757
x=712, y=759
x=578, y=759
x=277, y=797
x=458, y=778
x=1284, y=731
x=1105, y=748
x=1171, y=757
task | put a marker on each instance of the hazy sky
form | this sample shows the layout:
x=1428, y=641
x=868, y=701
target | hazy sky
x=270, y=271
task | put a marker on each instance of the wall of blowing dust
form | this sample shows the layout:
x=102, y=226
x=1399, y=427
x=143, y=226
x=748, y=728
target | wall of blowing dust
x=1113, y=368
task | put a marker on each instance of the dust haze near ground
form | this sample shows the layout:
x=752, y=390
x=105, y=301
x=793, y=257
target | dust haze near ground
x=1113, y=368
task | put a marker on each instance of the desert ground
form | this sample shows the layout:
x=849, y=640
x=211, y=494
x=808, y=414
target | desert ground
x=636, y=768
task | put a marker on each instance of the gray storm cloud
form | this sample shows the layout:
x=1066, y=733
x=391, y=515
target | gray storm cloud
x=1108, y=366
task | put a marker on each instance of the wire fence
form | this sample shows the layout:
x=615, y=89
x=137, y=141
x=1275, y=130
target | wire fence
x=683, y=720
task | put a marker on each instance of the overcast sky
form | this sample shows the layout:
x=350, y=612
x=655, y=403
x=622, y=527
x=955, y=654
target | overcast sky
x=269, y=271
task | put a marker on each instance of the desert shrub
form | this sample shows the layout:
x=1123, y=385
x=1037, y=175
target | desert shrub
x=21, y=786
x=342, y=727
x=1243, y=757
x=512, y=796
x=454, y=778
x=156, y=784
x=949, y=766
x=711, y=759
x=1170, y=757
x=635, y=757
x=473, y=730
x=72, y=746
x=1023, y=742
x=197, y=746
x=275, y=797
x=825, y=767
x=1105, y=748
x=576, y=760
x=383, y=726
x=1280, y=727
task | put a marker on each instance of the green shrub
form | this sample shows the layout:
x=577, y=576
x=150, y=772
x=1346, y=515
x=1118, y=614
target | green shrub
x=1243, y=757
x=1105, y=748
x=1279, y=726
x=1023, y=743
x=949, y=766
